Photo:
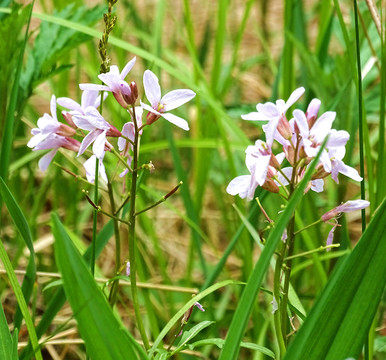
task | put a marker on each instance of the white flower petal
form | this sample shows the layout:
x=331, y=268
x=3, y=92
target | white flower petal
x=239, y=186
x=176, y=120
x=176, y=98
x=294, y=97
x=152, y=88
x=255, y=116
x=317, y=185
x=322, y=126
x=94, y=87
x=89, y=138
x=46, y=160
x=69, y=104
x=99, y=145
x=301, y=121
x=127, y=68
x=90, y=98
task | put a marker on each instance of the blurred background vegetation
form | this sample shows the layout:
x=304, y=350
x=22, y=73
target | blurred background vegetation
x=233, y=54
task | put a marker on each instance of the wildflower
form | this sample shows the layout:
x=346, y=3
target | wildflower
x=275, y=115
x=49, y=125
x=344, y=208
x=99, y=128
x=338, y=166
x=199, y=306
x=124, y=93
x=54, y=142
x=128, y=268
x=90, y=167
x=90, y=98
x=160, y=106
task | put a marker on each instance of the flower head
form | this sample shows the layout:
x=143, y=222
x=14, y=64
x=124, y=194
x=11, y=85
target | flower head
x=99, y=128
x=124, y=93
x=160, y=105
x=48, y=125
x=275, y=115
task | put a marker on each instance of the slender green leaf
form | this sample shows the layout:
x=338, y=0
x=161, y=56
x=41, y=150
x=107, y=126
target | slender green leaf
x=105, y=337
x=187, y=306
x=190, y=334
x=21, y=301
x=337, y=326
x=220, y=343
x=5, y=337
x=22, y=225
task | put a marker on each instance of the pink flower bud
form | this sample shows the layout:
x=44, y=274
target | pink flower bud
x=312, y=112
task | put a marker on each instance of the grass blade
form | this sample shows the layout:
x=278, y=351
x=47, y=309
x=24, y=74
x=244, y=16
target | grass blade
x=104, y=336
x=5, y=337
x=21, y=301
x=337, y=325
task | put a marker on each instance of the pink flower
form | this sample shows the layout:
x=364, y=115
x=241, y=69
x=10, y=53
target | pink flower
x=160, y=106
x=344, y=208
x=48, y=125
x=275, y=115
x=338, y=166
x=54, y=142
x=261, y=165
x=114, y=80
x=99, y=128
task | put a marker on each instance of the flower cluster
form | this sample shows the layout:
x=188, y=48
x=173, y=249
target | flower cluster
x=300, y=139
x=86, y=123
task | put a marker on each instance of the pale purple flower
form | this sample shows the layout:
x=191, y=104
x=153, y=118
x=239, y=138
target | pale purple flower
x=160, y=105
x=128, y=268
x=257, y=160
x=114, y=80
x=99, y=128
x=54, y=142
x=348, y=206
x=275, y=306
x=315, y=185
x=199, y=306
x=90, y=167
x=48, y=125
x=338, y=166
x=90, y=98
x=330, y=237
x=274, y=113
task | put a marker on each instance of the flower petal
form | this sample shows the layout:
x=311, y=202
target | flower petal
x=99, y=145
x=89, y=138
x=176, y=98
x=152, y=88
x=294, y=97
x=322, y=126
x=239, y=186
x=176, y=120
x=46, y=160
x=301, y=122
x=94, y=87
x=69, y=104
x=127, y=68
x=255, y=116
x=90, y=98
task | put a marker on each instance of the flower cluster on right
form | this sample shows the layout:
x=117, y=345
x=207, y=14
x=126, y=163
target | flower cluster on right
x=300, y=139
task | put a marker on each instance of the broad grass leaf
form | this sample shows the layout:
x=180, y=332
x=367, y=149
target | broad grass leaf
x=104, y=335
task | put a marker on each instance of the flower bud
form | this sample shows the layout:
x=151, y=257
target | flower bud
x=65, y=130
x=68, y=117
x=71, y=144
x=284, y=128
x=151, y=117
x=270, y=186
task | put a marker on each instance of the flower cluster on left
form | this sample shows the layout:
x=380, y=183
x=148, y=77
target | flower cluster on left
x=86, y=126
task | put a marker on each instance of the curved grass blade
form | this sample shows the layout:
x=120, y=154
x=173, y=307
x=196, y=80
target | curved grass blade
x=104, y=336
x=188, y=305
x=240, y=318
x=22, y=225
x=337, y=325
x=21, y=301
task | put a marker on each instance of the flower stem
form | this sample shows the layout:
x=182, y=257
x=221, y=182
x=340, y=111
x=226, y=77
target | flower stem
x=132, y=240
x=95, y=218
x=115, y=285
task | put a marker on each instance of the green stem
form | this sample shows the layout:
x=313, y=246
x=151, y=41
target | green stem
x=132, y=240
x=277, y=297
x=95, y=217
x=115, y=285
